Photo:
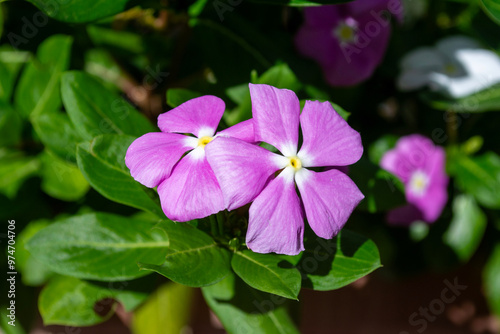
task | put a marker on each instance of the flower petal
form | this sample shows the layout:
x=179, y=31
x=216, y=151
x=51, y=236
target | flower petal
x=411, y=153
x=432, y=203
x=276, y=222
x=152, y=156
x=199, y=116
x=276, y=117
x=328, y=139
x=243, y=130
x=242, y=169
x=450, y=45
x=329, y=199
x=192, y=191
x=424, y=59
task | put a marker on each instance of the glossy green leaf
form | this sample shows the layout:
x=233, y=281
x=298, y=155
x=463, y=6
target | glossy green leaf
x=480, y=177
x=193, y=257
x=11, y=62
x=99, y=246
x=70, y=301
x=95, y=111
x=10, y=125
x=279, y=76
x=162, y=312
x=34, y=272
x=466, y=228
x=61, y=179
x=267, y=272
x=177, y=96
x=57, y=133
x=102, y=163
x=129, y=42
x=492, y=8
x=486, y=100
x=38, y=89
x=242, y=309
x=491, y=283
x=75, y=11
x=332, y=264
x=15, y=168
x=101, y=64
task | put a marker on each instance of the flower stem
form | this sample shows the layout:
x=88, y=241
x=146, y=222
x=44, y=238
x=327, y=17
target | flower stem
x=213, y=225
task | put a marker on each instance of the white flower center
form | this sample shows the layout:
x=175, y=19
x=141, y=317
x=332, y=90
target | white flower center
x=345, y=31
x=419, y=182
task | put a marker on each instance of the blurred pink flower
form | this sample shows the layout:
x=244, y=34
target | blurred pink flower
x=348, y=40
x=420, y=165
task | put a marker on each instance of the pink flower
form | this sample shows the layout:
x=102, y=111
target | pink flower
x=246, y=172
x=421, y=167
x=186, y=184
x=347, y=40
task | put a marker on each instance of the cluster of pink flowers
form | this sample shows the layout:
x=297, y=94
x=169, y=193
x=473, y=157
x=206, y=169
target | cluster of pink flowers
x=203, y=173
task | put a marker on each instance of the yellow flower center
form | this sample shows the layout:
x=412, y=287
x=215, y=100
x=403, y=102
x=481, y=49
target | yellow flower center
x=419, y=182
x=450, y=69
x=346, y=32
x=203, y=141
x=295, y=163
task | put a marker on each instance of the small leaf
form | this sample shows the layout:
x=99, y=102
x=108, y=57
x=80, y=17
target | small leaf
x=38, y=88
x=162, y=312
x=332, y=264
x=95, y=111
x=102, y=163
x=268, y=273
x=177, y=96
x=34, y=273
x=242, y=309
x=491, y=282
x=62, y=180
x=75, y=11
x=466, y=228
x=99, y=246
x=193, y=257
x=480, y=177
x=70, y=301
x=15, y=168
x=492, y=8
x=57, y=133
x=11, y=62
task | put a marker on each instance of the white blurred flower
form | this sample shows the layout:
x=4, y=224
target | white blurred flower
x=458, y=66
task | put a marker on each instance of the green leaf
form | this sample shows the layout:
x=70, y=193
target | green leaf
x=70, y=301
x=480, y=177
x=193, y=257
x=332, y=264
x=11, y=62
x=486, y=100
x=38, y=88
x=197, y=7
x=279, y=76
x=162, y=312
x=15, y=168
x=130, y=42
x=10, y=125
x=267, y=272
x=101, y=64
x=34, y=273
x=95, y=111
x=57, y=133
x=80, y=10
x=62, y=180
x=492, y=8
x=242, y=309
x=102, y=163
x=491, y=282
x=466, y=228
x=380, y=147
x=99, y=246
x=177, y=96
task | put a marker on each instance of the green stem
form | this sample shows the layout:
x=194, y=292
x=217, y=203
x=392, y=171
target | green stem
x=220, y=222
x=213, y=225
x=452, y=126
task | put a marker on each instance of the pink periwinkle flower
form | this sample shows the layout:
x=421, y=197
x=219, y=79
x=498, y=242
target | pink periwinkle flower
x=420, y=165
x=186, y=184
x=347, y=40
x=247, y=172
